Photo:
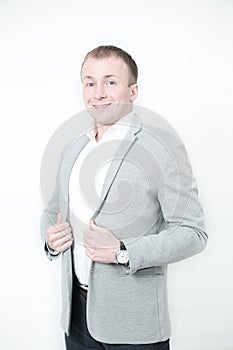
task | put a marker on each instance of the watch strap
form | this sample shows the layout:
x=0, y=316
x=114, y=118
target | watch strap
x=122, y=246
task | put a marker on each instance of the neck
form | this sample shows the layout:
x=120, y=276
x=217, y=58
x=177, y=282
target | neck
x=100, y=130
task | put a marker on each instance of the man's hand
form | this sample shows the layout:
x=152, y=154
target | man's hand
x=59, y=236
x=101, y=245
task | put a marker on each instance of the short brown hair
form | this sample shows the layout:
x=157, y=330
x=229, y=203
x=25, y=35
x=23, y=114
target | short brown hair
x=106, y=51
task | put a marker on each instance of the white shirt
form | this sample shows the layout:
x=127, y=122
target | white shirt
x=80, y=209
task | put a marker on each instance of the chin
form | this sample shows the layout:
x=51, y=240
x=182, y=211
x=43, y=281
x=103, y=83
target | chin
x=103, y=118
x=111, y=114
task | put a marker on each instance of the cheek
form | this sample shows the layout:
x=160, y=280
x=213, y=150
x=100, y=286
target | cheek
x=86, y=95
x=125, y=96
x=121, y=95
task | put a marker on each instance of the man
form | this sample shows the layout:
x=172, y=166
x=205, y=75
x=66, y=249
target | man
x=116, y=244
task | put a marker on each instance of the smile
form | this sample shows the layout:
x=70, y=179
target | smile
x=102, y=106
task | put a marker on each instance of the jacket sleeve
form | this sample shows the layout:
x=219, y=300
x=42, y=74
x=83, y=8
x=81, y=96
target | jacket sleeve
x=182, y=233
x=49, y=218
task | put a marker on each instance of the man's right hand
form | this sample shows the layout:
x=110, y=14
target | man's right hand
x=59, y=236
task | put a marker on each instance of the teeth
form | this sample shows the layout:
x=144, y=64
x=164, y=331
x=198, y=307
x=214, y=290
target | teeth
x=101, y=106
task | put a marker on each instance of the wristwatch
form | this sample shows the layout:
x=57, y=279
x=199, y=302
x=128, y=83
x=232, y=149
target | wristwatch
x=122, y=255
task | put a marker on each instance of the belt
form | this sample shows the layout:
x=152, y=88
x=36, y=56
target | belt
x=77, y=285
x=82, y=291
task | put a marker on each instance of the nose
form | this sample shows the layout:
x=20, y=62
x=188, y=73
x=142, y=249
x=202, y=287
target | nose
x=99, y=92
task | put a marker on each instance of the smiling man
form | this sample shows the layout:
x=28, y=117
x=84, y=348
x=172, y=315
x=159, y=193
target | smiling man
x=115, y=253
x=109, y=86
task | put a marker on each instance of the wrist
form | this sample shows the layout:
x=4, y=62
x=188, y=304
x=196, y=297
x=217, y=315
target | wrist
x=122, y=256
x=50, y=250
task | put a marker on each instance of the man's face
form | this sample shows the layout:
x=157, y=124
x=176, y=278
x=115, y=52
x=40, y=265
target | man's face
x=106, y=91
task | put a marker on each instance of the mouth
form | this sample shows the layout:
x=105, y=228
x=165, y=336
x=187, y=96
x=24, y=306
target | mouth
x=100, y=107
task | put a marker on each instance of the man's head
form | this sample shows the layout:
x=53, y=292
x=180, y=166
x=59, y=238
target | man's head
x=109, y=77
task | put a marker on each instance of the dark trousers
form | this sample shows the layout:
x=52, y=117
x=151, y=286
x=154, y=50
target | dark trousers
x=80, y=338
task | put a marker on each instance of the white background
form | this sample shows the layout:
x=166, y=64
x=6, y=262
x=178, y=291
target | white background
x=185, y=58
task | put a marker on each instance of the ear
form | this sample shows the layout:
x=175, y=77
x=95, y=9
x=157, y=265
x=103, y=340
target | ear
x=133, y=92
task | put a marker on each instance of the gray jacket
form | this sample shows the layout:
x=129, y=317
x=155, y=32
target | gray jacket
x=160, y=222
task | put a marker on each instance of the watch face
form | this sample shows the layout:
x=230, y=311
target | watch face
x=122, y=257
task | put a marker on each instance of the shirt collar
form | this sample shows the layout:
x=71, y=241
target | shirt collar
x=117, y=130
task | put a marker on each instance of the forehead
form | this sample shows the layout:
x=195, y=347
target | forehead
x=100, y=67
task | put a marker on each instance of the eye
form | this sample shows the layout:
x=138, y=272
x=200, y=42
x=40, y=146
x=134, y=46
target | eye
x=90, y=84
x=111, y=82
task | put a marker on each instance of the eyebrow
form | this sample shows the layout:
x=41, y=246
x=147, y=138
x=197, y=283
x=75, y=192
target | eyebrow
x=105, y=76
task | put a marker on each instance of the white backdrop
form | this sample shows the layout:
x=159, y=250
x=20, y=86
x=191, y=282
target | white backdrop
x=185, y=58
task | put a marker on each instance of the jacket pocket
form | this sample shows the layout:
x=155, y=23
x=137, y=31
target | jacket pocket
x=149, y=271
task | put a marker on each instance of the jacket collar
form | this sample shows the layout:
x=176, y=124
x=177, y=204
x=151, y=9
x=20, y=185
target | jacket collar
x=77, y=146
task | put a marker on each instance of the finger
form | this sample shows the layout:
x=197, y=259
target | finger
x=94, y=256
x=65, y=232
x=64, y=246
x=58, y=227
x=89, y=248
x=90, y=252
x=55, y=236
x=87, y=240
x=62, y=226
x=89, y=233
x=61, y=241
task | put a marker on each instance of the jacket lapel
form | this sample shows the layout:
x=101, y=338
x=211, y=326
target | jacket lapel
x=119, y=156
x=74, y=150
x=68, y=162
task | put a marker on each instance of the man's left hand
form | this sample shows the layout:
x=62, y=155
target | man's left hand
x=101, y=245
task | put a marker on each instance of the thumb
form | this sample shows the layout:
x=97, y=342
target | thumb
x=59, y=218
x=94, y=227
x=92, y=224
